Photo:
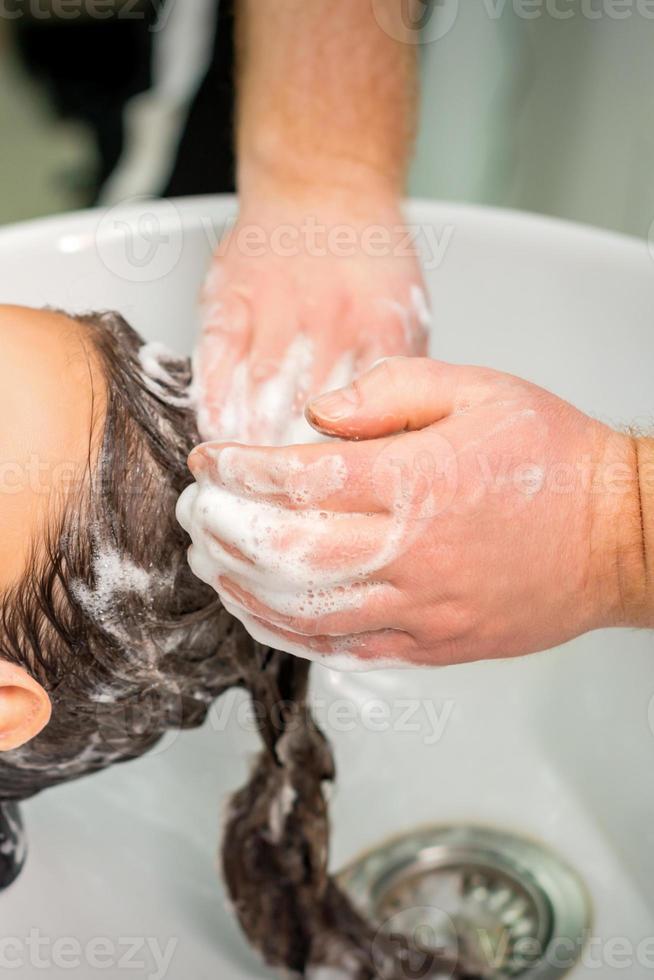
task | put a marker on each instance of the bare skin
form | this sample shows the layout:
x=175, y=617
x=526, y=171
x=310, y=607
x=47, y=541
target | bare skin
x=468, y=514
x=52, y=399
x=327, y=105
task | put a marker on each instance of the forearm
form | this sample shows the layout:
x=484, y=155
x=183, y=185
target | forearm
x=622, y=532
x=645, y=594
x=327, y=98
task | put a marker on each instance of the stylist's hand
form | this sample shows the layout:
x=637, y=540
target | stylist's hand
x=480, y=516
x=300, y=300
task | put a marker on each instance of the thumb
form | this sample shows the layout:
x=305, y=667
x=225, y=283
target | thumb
x=396, y=395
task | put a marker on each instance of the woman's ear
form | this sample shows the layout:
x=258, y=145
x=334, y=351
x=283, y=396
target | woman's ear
x=24, y=706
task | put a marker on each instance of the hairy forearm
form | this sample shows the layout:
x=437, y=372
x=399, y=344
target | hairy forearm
x=623, y=490
x=327, y=98
x=644, y=610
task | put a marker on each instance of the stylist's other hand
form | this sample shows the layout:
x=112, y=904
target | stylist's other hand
x=479, y=516
x=300, y=300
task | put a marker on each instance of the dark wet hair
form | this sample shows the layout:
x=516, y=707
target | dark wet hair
x=109, y=618
x=128, y=643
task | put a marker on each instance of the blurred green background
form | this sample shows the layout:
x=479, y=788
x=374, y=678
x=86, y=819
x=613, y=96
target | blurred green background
x=550, y=113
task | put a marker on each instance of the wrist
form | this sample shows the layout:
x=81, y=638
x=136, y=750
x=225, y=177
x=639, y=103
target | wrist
x=644, y=449
x=623, y=532
x=273, y=171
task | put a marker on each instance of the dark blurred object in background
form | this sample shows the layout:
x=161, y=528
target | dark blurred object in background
x=95, y=68
x=91, y=68
x=206, y=159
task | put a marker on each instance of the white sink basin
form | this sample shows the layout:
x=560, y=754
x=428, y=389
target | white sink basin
x=558, y=747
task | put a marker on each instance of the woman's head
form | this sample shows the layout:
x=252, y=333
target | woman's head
x=106, y=637
x=103, y=624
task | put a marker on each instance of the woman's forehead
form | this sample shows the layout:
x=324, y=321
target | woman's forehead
x=51, y=393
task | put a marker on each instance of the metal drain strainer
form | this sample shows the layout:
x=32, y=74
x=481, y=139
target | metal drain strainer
x=514, y=907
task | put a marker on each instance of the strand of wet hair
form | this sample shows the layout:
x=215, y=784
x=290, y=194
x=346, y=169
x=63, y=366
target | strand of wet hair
x=276, y=846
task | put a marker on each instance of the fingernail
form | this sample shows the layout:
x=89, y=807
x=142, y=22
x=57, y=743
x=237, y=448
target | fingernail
x=336, y=405
x=197, y=462
x=201, y=459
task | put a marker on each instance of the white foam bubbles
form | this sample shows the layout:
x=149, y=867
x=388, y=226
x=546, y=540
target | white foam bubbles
x=156, y=376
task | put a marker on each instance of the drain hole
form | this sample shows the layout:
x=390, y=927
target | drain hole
x=507, y=906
